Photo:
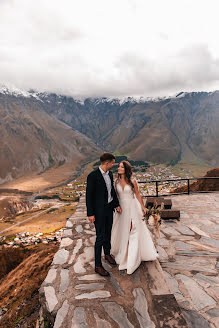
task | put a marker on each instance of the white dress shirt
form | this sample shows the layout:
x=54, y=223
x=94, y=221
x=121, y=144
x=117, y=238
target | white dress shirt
x=108, y=183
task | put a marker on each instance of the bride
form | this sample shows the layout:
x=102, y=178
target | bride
x=131, y=241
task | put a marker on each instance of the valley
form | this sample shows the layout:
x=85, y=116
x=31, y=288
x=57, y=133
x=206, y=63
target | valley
x=49, y=136
x=48, y=207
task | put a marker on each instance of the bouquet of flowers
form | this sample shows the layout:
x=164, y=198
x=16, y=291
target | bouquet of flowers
x=153, y=217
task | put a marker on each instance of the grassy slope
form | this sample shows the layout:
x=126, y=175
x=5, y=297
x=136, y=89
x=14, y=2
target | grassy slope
x=19, y=288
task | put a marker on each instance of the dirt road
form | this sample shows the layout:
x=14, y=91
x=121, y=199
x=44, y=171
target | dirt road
x=30, y=218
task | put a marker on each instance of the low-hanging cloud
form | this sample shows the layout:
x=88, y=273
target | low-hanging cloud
x=102, y=48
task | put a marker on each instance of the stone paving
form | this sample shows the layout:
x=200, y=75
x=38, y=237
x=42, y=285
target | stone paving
x=189, y=253
x=72, y=295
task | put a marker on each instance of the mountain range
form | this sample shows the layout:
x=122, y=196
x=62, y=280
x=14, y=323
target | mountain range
x=40, y=130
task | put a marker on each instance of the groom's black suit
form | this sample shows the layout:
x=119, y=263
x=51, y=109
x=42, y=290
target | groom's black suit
x=97, y=205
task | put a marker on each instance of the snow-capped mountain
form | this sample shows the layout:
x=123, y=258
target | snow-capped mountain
x=39, y=130
x=9, y=89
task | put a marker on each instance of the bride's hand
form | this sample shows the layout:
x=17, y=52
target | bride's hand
x=119, y=210
x=145, y=210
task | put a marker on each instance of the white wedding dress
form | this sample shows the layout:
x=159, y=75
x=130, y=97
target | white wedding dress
x=130, y=247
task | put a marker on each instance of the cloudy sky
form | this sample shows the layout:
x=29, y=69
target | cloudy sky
x=110, y=47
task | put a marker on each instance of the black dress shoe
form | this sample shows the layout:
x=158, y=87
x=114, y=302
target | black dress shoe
x=101, y=271
x=110, y=259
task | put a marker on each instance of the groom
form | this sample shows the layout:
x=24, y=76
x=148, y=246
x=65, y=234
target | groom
x=101, y=200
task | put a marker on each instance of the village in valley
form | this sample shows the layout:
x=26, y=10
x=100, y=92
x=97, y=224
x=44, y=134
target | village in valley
x=63, y=200
x=160, y=173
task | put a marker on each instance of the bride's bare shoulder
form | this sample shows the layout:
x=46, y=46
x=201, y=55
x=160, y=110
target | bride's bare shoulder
x=135, y=183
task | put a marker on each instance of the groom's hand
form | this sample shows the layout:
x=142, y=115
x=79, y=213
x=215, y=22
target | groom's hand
x=119, y=210
x=91, y=218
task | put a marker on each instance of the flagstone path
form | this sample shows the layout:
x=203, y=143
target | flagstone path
x=189, y=256
x=72, y=295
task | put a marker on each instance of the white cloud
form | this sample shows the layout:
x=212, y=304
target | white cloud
x=110, y=48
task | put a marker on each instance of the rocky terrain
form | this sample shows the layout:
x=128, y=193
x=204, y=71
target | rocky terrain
x=10, y=206
x=39, y=131
x=203, y=185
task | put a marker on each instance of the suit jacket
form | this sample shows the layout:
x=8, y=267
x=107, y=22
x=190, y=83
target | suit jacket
x=97, y=194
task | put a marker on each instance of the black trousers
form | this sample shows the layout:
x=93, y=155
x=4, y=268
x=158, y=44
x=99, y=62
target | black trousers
x=103, y=226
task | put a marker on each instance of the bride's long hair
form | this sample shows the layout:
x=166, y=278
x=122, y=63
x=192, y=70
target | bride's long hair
x=128, y=174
